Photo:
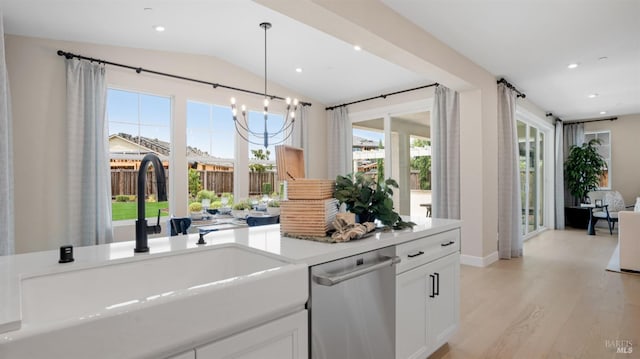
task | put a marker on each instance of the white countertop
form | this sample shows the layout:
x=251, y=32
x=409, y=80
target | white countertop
x=265, y=238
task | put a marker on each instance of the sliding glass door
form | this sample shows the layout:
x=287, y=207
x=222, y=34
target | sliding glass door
x=531, y=144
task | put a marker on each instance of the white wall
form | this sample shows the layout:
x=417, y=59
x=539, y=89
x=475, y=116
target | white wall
x=37, y=79
x=625, y=164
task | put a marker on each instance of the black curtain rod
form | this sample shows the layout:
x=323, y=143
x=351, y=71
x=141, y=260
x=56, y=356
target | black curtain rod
x=585, y=121
x=70, y=55
x=509, y=85
x=381, y=96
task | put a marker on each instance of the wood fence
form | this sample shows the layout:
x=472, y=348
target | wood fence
x=125, y=181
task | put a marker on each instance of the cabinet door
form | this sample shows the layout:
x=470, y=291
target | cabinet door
x=412, y=291
x=443, y=308
x=284, y=338
x=191, y=354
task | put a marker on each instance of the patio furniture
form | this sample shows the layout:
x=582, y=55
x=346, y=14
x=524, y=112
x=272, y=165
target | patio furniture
x=179, y=225
x=428, y=206
x=261, y=221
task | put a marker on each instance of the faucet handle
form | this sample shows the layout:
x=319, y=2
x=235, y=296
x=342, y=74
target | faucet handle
x=202, y=233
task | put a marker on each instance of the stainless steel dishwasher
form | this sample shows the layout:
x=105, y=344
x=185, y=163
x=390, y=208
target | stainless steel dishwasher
x=352, y=307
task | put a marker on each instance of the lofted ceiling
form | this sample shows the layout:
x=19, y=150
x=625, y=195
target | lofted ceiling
x=529, y=42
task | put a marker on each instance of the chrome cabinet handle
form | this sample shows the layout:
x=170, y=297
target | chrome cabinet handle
x=330, y=280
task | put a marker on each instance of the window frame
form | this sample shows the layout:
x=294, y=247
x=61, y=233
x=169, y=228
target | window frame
x=139, y=156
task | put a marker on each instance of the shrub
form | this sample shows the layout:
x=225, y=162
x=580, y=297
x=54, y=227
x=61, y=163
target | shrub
x=195, y=207
x=242, y=205
x=211, y=195
x=274, y=204
x=132, y=198
x=122, y=198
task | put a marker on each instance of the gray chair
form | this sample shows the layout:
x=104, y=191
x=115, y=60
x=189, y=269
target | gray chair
x=261, y=221
x=179, y=225
x=612, y=202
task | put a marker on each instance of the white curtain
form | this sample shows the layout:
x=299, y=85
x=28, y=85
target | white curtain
x=509, y=202
x=559, y=180
x=7, y=232
x=573, y=135
x=445, y=146
x=89, y=190
x=300, y=136
x=340, y=141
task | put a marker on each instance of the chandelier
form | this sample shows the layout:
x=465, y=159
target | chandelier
x=242, y=125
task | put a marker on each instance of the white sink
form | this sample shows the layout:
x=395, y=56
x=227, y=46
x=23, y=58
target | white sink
x=150, y=306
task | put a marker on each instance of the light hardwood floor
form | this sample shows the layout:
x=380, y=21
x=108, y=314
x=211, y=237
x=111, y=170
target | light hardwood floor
x=557, y=301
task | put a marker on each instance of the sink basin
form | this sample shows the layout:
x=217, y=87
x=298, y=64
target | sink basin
x=150, y=306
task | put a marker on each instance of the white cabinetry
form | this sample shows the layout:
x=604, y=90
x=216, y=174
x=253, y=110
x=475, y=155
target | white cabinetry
x=427, y=294
x=285, y=338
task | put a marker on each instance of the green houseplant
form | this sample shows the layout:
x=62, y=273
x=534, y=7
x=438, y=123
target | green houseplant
x=583, y=169
x=369, y=200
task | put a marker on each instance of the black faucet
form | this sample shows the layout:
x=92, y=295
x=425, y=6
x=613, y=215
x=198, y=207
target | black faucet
x=141, y=224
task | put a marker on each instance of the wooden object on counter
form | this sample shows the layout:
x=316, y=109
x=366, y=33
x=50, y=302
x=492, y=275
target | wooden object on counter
x=289, y=162
x=310, y=189
x=307, y=217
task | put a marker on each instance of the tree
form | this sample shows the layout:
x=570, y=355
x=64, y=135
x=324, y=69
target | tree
x=260, y=155
x=423, y=165
x=380, y=165
x=195, y=184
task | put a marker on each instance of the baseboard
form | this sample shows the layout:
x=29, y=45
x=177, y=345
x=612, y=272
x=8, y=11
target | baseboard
x=479, y=261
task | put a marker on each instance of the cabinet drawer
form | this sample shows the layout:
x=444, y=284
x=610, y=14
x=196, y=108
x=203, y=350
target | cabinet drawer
x=427, y=249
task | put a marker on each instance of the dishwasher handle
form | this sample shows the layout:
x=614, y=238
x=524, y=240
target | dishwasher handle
x=330, y=280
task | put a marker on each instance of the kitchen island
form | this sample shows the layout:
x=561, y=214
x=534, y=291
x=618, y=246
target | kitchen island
x=286, y=262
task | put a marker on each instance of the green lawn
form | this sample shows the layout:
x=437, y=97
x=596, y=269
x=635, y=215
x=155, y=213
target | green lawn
x=129, y=210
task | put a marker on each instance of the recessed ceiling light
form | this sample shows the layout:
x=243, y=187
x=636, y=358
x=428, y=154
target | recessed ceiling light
x=357, y=47
x=159, y=28
x=593, y=95
x=603, y=112
x=573, y=65
x=298, y=69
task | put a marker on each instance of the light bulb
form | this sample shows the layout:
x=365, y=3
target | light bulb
x=233, y=100
x=266, y=102
x=244, y=108
x=234, y=112
x=295, y=102
x=288, y=100
x=293, y=114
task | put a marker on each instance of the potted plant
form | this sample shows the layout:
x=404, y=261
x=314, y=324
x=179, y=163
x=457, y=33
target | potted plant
x=369, y=200
x=583, y=169
x=273, y=207
x=196, y=210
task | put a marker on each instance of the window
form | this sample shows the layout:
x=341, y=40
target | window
x=210, y=147
x=138, y=124
x=604, y=149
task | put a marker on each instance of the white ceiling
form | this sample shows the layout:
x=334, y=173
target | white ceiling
x=529, y=42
